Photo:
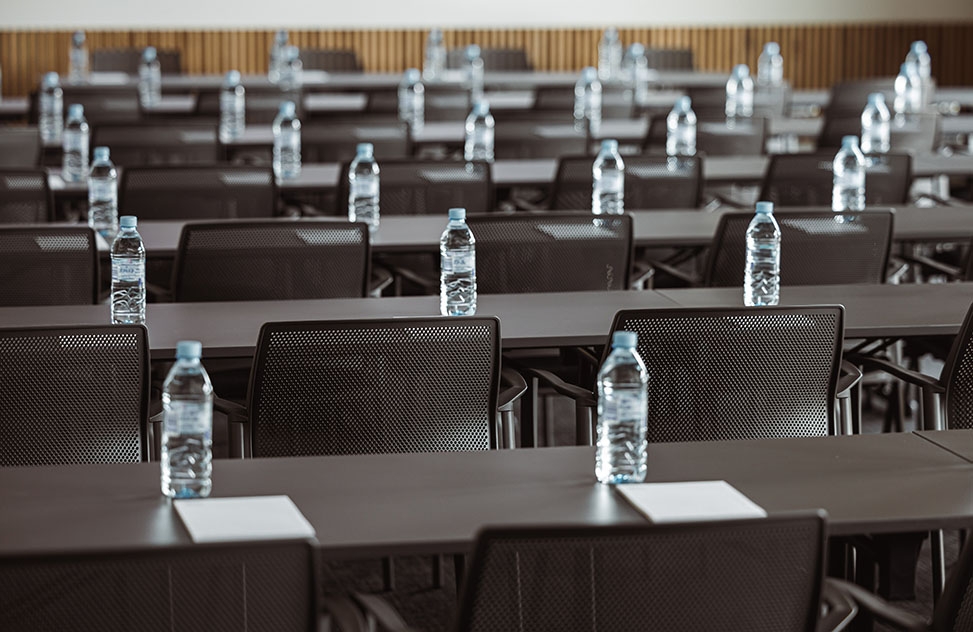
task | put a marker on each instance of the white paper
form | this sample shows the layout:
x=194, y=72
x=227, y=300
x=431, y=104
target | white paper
x=245, y=518
x=691, y=501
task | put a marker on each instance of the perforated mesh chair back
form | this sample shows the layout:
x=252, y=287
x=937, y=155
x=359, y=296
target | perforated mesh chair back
x=127, y=60
x=715, y=137
x=330, y=60
x=139, y=144
x=48, y=265
x=73, y=395
x=954, y=610
x=271, y=260
x=421, y=187
x=219, y=587
x=497, y=59
x=808, y=179
x=197, y=192
x=551, y=252
x=19, y=147
x=957, y=376
x=670, y=58
x=105, y=104
x=650, y=182
x=336, y=141
x=616, y=101
x=918, y=133
x=526, y=139
x=743, y=373
x=762, y=574
x=818, y=247
x=25, y=196
x=261, y=104
x=375, y=386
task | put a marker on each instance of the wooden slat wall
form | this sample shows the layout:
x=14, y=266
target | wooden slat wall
x=815, y=56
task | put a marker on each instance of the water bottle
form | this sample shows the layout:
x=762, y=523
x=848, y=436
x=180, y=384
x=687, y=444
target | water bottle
x=761, y=282
x=150, y=78
x=233, y=107
x=918, y=58
x=103, y=195
x=770, y=66
x=127, y=274
x=287, y=142
x=608, y=181
x=50, y=119
x=849, y=177
x=610, y=56
x=291, y=69
x=187, y=436
x=363, y=188
x=739, y=93
x=457, y=278
x=74, y=145
x=681, y=129
x=623, y=406
x=876, y=125
x=908, y=90
x=474, y=70
x=435, y=62
x=479, y=133
x=276, y=53
x=412, y=99
x=78, y=58
x=587, y=101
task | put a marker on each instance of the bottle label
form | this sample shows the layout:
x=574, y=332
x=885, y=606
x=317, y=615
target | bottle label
x=612, y=181
x=128, y=271
x=188, y=418
x=623, y=407
x=458, y=262
x=364, y=188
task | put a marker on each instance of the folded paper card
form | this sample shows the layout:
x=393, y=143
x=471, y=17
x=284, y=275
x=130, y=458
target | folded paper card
x=245, y=518
x=690, y=501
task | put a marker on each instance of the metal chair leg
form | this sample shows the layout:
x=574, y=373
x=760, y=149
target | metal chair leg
x=938, y=564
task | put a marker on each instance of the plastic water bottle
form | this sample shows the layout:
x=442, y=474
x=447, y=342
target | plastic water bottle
x=457, y=278
x=78, y=58
x=918, y=58
x=610, y=56
x=103, y=195
x=479, y=133
x=187, y=436
x=849, y=177
x=908, y=90
x=876, y=125
x=770, y=66
x=233, y=107
x=287, y=142
x=681, y=129
x=608, y=181
x=276, y=53
x=127, y=273
x=363, y=187
x=291, y=69
x=739, y=93
x=761, y=283
x=150, y=78
x=638, y=74
x=74, y=145
x=621, y=444
x=50, y=119
x=587, y=101
x=474, y=70
x=435, y=62
x=412, y=99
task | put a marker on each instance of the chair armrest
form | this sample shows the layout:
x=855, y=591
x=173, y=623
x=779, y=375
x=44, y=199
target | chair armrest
x=642, y=276
x=155, y=430
x=341, y=614
x=236, y=413
x=838, y=608
x=237, y=417
x=512, y=387
x=850, y=376
x=938, y=201
x=921, y=380
x=381, y=616
x=381, y=279
x=581, y=396
x=880, y=609
x=157, y=293
x=719, y=199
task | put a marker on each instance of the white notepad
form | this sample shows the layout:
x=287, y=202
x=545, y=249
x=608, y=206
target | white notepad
x=691, y=501
x=245, y=518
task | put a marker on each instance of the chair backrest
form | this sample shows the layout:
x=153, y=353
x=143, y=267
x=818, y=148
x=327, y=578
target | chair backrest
x=738, y=373
x=262, y=104
x=271, y=260
x=651, y=181
x=616, y=102
x=25, y=196
x=127, y=60
x=530, y=139
x=330, y=60
x=443, y=102
x=198, y=192
x=20, y=147
x=916, y=133
x=48, y=265
x=255, y=585
x=954, y=610
x=551, y=252
x=336, y=141
x=808, y=179
x=764, y=574
x=105, y=104
x=818, y=247
x=375, y=386
x=421, y=187
x=496, y=59
x=848, y=98
x=956, y=376
x=670, y=58
x=709, y=102
x=74, y=395
x=141, y=144
x=720, y=137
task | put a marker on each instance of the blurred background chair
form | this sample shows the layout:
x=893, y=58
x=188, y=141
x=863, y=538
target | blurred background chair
x=495, y=59
x=808, y=179
x=127, y=60
x=330, y=60
x=48, y=265
x=141, y=144
x=25, y=196
x=20, y=147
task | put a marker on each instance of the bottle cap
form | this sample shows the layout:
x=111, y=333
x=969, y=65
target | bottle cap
x=590, y=73
x=765, y=207
x=51, y=79
x=364, y=149
x=128, y=221
x=189, y=350
x=472, y=52
x=102, y=153
x=79, y=37
x=625, y=339
x=288, y=108
x=919, y=47
x=611, y=33
x=772, y=48
x=457, y=213
x=232, y=78
x=609, y=145
x=149, y=54
x=481, y=107
x=75, y=110
x=849, y=142
x=636, y=50
x=281, y=37
x=741, y=70
x=876, y=98
x=684, y=104
x=436, y=35
x=412, y=75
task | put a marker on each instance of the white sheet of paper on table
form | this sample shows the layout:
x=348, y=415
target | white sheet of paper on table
x=690, y=501
x=243, y=518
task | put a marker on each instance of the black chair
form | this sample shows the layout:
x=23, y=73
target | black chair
x=74, y=395
x=721, y=137
x=915, y=133
x=128, y=60
x=105, y=104
x=330, y=60
x=25, y=196
x=848, y=98
x=198, y=192
x=48, y=265
x=495, y=59
x=255, y=585
x=808, y=179
x=651, y=182
x=670, y=58
x=529, y=139
x=20, y=147
x=140, y=144
x=271, y=260
x=336, y=141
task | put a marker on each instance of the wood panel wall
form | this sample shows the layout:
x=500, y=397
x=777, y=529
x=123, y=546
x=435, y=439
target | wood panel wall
x=815, y=56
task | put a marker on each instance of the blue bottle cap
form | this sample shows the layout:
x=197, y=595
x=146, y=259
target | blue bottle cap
x=232, y=78
x=636, y=50
x=364, y=149
x=412, y=75
x=625, y=339
x=457, y=213
x=149, y=54
x=128, y=221
x=288, y=108
x=51, y=79
x=78, y=38
x=772, y=48
x=472, y=52
x=590, y=73
x=609, y=145
x=919, y=47
x=684, y=104
x=481, y=108
x=611, y=33
x=765, y=207
x=102, y=154
x=849, y=142
x=436, y=35
x=876, y=97
x=189, y=350
x=281, y=36
x=75, y=110
x=741, y=70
